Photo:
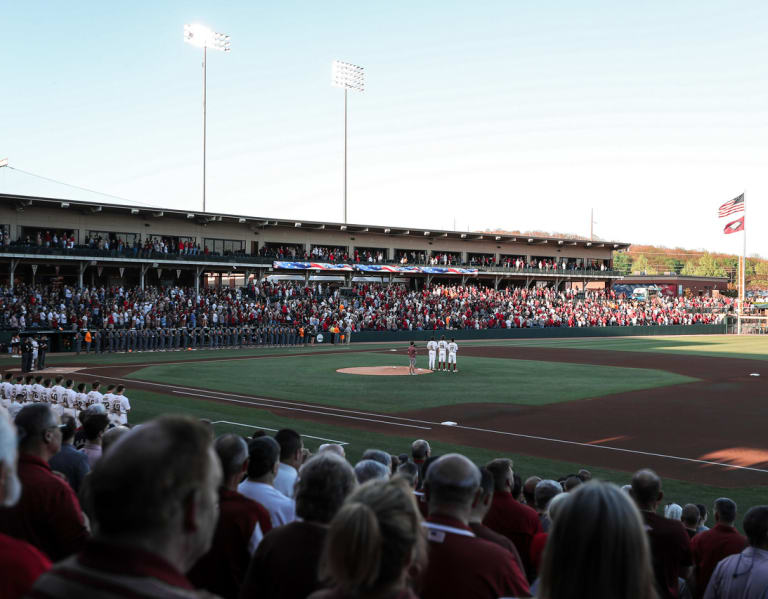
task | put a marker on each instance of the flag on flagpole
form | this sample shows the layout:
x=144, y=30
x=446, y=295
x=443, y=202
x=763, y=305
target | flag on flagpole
x=734, y=226
x=735, y=205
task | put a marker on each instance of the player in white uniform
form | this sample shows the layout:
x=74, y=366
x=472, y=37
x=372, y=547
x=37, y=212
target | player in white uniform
x=68, y=399
x=56, y=395
x=29, y=381
x=432, y=348
x=452, y=349
x=6, y=390
x=442, y=346
x=110, y=400
x=50, y=397
x=18, y=393
x=94, y=395
x=37, y=390
x=122, y=404
x=81, y=398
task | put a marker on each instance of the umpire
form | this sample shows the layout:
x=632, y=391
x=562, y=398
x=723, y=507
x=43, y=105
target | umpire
x=26, y=355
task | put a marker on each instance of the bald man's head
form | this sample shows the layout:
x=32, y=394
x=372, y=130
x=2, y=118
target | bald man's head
x=646, y=489
x=452, y=480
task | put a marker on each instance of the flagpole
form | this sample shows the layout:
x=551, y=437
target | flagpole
x=744, y=254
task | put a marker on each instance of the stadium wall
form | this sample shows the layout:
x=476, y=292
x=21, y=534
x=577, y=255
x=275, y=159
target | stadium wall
x=538, y=333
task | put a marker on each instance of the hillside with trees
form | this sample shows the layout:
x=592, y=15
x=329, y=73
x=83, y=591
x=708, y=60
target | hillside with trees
x=651, y=259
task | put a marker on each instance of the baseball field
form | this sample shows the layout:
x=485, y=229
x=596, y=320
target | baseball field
x=695, y=408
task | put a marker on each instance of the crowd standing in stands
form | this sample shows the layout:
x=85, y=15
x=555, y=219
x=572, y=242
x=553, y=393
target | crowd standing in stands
x=166, y=510
x=280, y=313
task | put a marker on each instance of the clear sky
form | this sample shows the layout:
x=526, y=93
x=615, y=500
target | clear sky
x=496, y=114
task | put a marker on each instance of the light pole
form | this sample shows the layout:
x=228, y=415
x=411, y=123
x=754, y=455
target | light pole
x=203, y=37
x=347, y=76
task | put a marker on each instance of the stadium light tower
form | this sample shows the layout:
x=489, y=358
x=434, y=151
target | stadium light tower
x=347, y=76
x=203, y=37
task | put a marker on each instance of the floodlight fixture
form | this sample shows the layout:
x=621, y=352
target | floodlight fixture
x=347, y=76
x=204, y=37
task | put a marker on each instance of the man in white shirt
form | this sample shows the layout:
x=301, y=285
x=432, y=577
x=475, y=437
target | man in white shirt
x=291, y=448
x=264, y=454
x=432, y=349
x=442, y=347
x=452, y=349
x=108, y=400
x=81, y=398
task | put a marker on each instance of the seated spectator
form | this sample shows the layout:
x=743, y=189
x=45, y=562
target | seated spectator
x=507, y=516
x=670, y=545
x=545, y=491
x=263, y=464
x=410, y=472
x=571, y=482
x=48, y=514
x=712, y=546
x=154, y=498
x=744, y=576
x=539, y=541
x=333, y=447
x=366, y=470
x=480, y=508
x=291, y=458
x=690, y=519
x=285, y=563
x=241, y=527
x=460, y=564
x=371, y=543
x=94, y=428
x=420, y=451
x=109, y=438
x=597, y=548
x=529, y=486
x=20, y=563
x=378, y=456
x=673, y=511
x=71, y=463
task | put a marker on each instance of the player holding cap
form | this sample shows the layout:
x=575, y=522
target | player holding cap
x=442, y=346
x=432, y=348
x=452, y=349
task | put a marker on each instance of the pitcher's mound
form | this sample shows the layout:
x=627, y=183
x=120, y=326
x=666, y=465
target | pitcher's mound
x=382, y=370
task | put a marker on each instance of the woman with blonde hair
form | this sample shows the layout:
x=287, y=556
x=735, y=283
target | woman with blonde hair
x=597, y=548
x=374, y=542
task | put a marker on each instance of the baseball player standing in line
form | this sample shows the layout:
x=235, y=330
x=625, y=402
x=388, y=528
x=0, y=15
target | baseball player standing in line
x=452, y=349
x=442, y=346
x=432, y=348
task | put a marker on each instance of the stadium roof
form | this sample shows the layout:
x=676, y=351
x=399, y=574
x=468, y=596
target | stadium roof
x=20, y=202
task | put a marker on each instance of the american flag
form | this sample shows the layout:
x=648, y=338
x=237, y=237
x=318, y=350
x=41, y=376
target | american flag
x=735, y=205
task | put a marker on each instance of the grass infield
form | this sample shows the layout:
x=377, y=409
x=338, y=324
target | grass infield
x=313, y=379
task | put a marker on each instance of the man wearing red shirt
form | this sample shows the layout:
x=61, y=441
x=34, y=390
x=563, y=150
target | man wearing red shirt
x=461, y=564
x=716, y=544
x=20, y=563
x=507, y=516
x=670, y=544
x=48, y=514
x=242, y=524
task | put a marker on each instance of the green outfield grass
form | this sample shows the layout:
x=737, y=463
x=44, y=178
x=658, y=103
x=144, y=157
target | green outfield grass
x=754, y=347
x=314, y=379
x=149, y=405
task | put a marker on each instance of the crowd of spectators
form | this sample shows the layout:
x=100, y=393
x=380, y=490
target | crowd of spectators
x=319, y=308
x=167, y=510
